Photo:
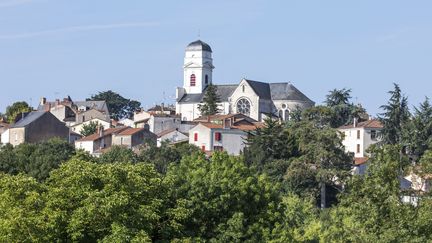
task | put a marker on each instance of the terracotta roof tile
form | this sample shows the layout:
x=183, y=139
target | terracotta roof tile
x=130, y=131
x=107, y=132
x=360, y=161
x=366, y=124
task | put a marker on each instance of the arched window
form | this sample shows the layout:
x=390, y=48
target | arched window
x=206, y=79
x=286, y=115
x=243, y=88
x=243, y=106
x=192, y=80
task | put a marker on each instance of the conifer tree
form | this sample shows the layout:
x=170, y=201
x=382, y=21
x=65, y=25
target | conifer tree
x=211, y=100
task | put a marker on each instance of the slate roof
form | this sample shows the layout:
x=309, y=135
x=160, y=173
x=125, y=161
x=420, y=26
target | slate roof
x=224, y=92
x=287, y=91
x=92, y=104
x=268, y=91
x=198, y=45
x=29, y=118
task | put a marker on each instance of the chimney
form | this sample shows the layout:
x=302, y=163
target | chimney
x=42, y=101
x=227, y=123
x=355, y=122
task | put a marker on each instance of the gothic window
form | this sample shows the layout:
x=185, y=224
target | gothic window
x=206, y=79
x=286, y=115
x=243, y=106
x=192, y=80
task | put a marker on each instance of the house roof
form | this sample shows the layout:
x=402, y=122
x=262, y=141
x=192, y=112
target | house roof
x=163, y=133
x=130, y=131
x=29, y=118
x=107, y=132
x=242, y=127
x=366, y=124
x=269, y=91
x=360, y=161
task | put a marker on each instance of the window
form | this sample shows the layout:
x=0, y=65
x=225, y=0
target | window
x=243, y=106
x=206, y=79
x=358, y=148
x=83, y=118
x=121, y=141
x=373, y=134
x=203, y=148
x=243, y=88
x=192, y=80
x=358, y=134
x=217, y=148
x=195, y=137
x=218, y=136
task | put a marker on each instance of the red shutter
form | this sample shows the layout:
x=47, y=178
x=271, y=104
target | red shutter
x=195, y=137
x=203, y=148
x=192, y=80
x=218, y=136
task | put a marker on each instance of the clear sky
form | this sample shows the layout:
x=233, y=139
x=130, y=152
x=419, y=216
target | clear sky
x=55, y=48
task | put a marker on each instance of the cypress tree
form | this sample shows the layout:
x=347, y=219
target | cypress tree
x=211, y=100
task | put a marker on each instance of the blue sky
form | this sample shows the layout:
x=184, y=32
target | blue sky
x=55, y=48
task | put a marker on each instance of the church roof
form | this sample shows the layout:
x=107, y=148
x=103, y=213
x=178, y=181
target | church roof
x=198, y=46
x=287, y=91
x=223, y=91
x=268, y=91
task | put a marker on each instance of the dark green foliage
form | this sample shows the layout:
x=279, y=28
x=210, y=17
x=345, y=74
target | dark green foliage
x=210, y=100
x=395, y=118
x=118, y=106
x=16, y=109
x=161, y=157
x=90, y=128
x=36, y=160
x=118, y=154
x=420, y=135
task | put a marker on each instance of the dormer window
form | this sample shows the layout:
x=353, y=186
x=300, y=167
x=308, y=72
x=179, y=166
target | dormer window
x=192, y=80
x=206, y=79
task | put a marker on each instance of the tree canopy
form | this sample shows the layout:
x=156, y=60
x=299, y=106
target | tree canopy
x=210, y=101
x=16, y=109
x=118, y=106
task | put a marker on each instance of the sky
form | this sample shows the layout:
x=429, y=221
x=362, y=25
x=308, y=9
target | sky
x=55, y=48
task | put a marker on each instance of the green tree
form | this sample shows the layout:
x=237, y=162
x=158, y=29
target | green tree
x=118, y=154
x=16, y=109
x=90, y=128
x=118, y=106
x=421, y=128
x=36, y=160
x=211, y=100
x=395, y=117
x=220, y=200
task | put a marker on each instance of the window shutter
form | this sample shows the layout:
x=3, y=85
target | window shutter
x=195, y=137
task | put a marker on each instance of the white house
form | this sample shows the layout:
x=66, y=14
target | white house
x=223, y=133
x=358, y=137
x=99, y=141
x=79, y=126
x=252, y=98
x=172, y=136
x=158, y=122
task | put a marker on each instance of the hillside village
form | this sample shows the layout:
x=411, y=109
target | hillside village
x=270, y=133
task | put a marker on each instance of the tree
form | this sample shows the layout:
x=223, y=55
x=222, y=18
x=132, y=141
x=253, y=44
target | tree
x=90, y=128
x=395, y=117
x=117, y=154
x=338, y=97
x=421, y=129
x=16, y=109
x=36, y=160
x=211, y=100
x=118, y=106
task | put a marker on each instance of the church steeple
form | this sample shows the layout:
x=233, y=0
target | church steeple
x=198, y=67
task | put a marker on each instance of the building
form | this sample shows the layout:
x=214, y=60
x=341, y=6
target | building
x=223, y=133
x=171, y=136
x=358, y=137
x=97, y=142
x=158, y=122
x=133, y=137
x=251, y=98
x=76, y=112
x=79, y=126
x=4, y=132
x=37, y=126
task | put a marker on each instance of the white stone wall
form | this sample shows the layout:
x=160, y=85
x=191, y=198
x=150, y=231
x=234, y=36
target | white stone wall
x=249, y=94
x=288, y=106
x=204, y=137
x=351, y=141
x=199, y=63
x=85, y=145
x=78, y=127
x=5, y=137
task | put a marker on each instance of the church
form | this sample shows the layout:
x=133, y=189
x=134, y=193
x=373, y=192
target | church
x=255, y=99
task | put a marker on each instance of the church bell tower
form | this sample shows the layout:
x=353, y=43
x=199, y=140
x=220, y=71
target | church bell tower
x=198, y=67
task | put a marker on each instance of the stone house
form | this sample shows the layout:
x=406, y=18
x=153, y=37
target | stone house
x=133, y=137
x=37, y=126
